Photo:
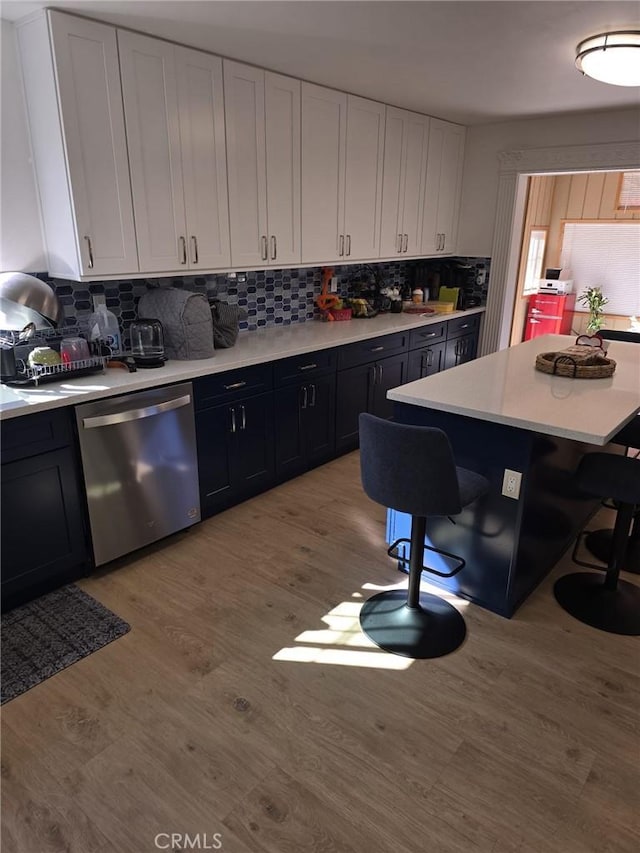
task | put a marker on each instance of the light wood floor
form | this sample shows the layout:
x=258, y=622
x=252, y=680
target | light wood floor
x=523, y=741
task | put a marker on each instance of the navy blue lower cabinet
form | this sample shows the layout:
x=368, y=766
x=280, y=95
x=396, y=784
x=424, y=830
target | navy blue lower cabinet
x=425, y=362
x=304, y=425
x=44, y=539
x=460, y=350
x=235, y=451
x=364, y=389
x=509, y=545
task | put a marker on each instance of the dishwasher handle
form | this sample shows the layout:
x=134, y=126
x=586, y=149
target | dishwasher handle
x=136, y=414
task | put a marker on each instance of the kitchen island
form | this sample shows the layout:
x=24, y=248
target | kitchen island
x=501, y=414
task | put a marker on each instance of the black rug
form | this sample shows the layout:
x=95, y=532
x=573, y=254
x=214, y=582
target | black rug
x=50, y=633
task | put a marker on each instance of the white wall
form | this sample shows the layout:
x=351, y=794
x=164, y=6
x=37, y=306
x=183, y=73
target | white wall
x=480, y=180
x=21, y=243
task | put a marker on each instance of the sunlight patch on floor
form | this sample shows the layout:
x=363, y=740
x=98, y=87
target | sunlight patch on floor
x=342, y=657
x=342, y=640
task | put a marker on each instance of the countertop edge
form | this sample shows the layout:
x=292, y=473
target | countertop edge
x=92, y=388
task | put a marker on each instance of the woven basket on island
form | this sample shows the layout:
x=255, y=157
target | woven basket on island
x=576, y=362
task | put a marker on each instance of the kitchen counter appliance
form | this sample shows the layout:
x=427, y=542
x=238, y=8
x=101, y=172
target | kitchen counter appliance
x=140, y=468
x=147, y=343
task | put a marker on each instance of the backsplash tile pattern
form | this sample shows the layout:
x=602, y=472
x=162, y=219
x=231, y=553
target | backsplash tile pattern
x=270, y=297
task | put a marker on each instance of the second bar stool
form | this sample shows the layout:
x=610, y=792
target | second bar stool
x=610, y=604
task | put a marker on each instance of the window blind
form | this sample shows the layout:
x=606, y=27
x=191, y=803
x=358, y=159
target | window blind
x=605, y=255
x=629, y=190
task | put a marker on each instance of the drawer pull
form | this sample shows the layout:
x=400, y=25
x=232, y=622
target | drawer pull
x=376, y=349
x=464, y=326
x=307, y=366
x=234, y=386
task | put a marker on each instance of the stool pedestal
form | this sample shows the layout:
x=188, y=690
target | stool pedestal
x=585, y=596
x=413, y=624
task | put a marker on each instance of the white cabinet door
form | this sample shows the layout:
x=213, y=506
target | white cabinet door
x=282, y=113
x=74, y=104
x=244, y=113
x=450, y=186
x=415, y=163
x=153, y=133
x=204, y=158
x=363, y=178
x=405, y=156
x=393, y=181
x=324, y=137
x=442, y=188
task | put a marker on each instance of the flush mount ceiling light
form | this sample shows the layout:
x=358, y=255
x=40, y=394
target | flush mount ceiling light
x=611, y=57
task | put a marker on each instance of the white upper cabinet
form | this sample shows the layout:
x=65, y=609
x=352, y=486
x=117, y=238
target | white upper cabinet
x=76, y=121
x=263, y=151
x=442, y=188
x=324, y=142
x=175, y=129
x=342, y=159
x=405, y=160
x=204, y=158
x=282, y=110
x=363, y=178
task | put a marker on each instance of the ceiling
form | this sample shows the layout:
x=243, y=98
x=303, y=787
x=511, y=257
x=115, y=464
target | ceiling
x=471, y=62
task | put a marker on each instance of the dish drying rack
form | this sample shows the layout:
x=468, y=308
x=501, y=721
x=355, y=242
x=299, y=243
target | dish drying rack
x=27, y=374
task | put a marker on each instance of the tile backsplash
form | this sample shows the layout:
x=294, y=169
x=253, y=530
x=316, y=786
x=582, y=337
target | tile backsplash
x=270, y=297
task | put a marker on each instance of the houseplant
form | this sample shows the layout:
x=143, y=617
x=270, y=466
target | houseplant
x=595, y=301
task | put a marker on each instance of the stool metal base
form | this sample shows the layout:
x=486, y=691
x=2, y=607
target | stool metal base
x=584, y=596
x=600, y=544
x=432, y=630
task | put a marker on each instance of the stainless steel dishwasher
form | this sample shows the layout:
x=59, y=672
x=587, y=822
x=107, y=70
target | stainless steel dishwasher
x=140, y=468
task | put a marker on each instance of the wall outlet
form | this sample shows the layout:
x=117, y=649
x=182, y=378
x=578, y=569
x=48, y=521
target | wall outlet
x=511, y=483
x=333, y=284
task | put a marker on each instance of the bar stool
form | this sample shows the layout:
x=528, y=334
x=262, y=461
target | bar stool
x=600, y=542
x=411, y=469
x=612, y=605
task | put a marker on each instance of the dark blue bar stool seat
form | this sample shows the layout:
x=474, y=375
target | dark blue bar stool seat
x=411, y=469
x=610, y=604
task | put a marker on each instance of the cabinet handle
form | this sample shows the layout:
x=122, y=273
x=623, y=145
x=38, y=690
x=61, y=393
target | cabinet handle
x=341, y=244
x=429, y=357
x=274, y=247
x=194, y=247
x=243, y=424
x=376, y=349
x=305, y=397
x=348, y=244
x=313, y=396
x=381, y=372
x=399, y=243
x=90, y=250
x=234, y=386
x=406, y=243
x=464, y=326
x=233, y=420
x=183, y=249
x=429, y=335
x=444, y=241
x=307, y=366
x=265, y=256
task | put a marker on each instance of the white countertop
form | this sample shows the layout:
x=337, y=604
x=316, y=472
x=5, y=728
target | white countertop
x=505, y=388
x=255, y=347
